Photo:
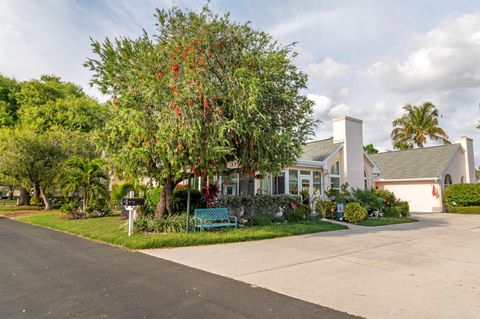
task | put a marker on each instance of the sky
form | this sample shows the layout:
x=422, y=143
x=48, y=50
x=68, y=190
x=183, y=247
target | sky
x=365, y=58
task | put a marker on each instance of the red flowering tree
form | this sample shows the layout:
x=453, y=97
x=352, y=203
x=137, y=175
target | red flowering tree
x=201, y=93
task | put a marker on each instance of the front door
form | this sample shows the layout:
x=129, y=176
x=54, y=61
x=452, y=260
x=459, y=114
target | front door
x=306, y=186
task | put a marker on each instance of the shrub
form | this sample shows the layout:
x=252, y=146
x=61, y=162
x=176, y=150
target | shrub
x=403, y=207
x=325, y=209
x=354, y=213
x=295, y=215
x=98, y=208
x=167, y=224
x=387, y=197
x=464, y=209
x=152, y=196
x=391, y=211
x=251, y=205
x=462, y=195
x=370, y=200
x=263, y=219
x=36, y=201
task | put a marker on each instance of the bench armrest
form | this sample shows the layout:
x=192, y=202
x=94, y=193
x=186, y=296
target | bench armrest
x=197, y=219
x=234, y=218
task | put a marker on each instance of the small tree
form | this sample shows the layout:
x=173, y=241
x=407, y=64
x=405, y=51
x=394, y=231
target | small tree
x=85, y=177
x=201, y=93
x=370, y=149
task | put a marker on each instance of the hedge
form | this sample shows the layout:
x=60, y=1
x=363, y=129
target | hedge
x=259, y=204
x=463, y=195
x=463, y=209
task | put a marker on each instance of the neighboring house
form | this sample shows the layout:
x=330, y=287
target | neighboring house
x=418, y=176
x=421, y=175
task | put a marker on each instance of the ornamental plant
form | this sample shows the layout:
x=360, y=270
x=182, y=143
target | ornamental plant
x=200, y=93
x=354, y=213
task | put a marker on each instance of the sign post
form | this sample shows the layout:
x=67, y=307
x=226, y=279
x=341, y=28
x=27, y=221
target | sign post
x=131, y=204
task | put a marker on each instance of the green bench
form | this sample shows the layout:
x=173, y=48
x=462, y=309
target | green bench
x=213, y=218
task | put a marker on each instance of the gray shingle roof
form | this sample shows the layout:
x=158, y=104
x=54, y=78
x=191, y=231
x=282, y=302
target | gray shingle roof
x=319, y=150
x=427, y=162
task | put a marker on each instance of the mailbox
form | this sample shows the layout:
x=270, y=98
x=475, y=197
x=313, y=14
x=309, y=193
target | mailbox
x=133, y=201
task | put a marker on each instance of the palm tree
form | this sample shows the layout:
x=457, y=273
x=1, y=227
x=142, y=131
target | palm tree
x=84, y=176
x=416, y=125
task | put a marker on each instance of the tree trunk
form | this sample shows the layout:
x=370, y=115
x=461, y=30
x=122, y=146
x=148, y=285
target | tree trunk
x=24, y=198
x=165, y=203
x=10, y=193
x=36, y=190
x=45, y=199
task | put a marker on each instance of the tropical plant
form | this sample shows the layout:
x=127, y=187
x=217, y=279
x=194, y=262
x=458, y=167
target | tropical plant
x=325, y=208
x=417, y=124
x=87, y=178
x=201, y=93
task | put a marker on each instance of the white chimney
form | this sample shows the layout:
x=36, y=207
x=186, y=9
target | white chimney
x=467, y=145
x=349, y=131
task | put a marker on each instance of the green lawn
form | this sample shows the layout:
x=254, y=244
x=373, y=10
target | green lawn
x=386, y=221
x=111, y=230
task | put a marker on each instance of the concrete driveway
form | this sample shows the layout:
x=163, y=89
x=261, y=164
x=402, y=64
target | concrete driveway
x=429, y=269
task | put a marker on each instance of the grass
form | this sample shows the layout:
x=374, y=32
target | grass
x=112, y=230
x=386, y=221
x=12, y=210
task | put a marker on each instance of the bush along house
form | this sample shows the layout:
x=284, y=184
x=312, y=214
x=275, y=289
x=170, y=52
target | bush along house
x=418, y=176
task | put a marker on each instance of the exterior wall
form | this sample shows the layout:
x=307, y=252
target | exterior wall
x=349, y=131
x=456, y=169
x=469, y=160
x=417, y=193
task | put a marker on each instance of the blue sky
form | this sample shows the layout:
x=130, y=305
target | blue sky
x=364, y=58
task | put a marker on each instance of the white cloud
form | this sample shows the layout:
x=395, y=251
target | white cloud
x=325, y=72
x=445, y=58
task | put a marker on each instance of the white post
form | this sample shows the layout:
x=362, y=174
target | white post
x=131, y=215
x=131, y=211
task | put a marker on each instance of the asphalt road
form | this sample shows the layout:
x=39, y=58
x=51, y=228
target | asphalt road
x=49, y=274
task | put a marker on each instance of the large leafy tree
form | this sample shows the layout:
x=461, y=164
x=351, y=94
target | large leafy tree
x=201, y=93
x=417, y=124
x=50, y=102
x=39, y=109
x=8, y=101
x=34, y=159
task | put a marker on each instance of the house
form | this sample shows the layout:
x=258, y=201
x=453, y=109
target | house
x=421, y=175
x=418, y=176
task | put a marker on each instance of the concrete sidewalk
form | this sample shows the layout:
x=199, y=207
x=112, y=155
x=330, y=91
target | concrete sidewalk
x=429, y=269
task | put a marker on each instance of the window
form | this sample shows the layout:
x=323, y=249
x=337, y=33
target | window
x=317, y=183
x=247, y=185
x=279, y=184
x=448, y=180
x=230, y=184
x=265, y=185
x=335, y=176
x=293, y=181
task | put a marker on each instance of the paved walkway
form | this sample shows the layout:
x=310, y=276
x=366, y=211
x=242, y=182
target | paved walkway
x=429, y=269
x=49, y=274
